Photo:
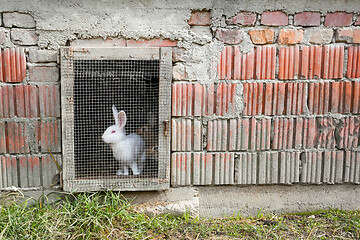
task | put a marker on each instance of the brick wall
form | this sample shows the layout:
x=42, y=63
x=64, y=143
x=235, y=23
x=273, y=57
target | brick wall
x=30, y=123
x=284, y=112
x=284, y=109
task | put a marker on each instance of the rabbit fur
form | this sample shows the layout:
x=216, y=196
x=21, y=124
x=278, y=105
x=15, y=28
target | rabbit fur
x=148, y=132
x=129, y=150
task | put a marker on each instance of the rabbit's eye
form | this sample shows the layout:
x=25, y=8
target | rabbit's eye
x=112, y=131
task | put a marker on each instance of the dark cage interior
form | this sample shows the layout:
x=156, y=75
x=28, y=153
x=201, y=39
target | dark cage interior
x=130, y=85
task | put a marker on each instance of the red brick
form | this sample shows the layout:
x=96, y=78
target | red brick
x=283, y=129
x=210, y=100
x=16, y=137
x=229, y=36
x=7, y=76
x=250, y=100
x=307, y=61
x=344, y=35
x=309, y=137
x=225, y=99
x=356, y=36
x=316, y=62
x=243, y=19
x=183, y=104
x=243, y=136
x=50, y=136
x=217, y=135
x=319, y=98
x=49, y=101
x=338, y=19
x=200, y=18
x=49, y=169
x=236, y=65
x=253, y=98
x=224, y=168
x=8, y=101
x=2, y=138
x=353, y=63
x=13, y=65
x=276, y=18
x=187, y=100
x=229, y=62
x=307, y=19
x=181, y=169
x=299, y=127
x=232, y=134
x=335, y=97
x=224, y=67
x=280, y=95
x=325, y=133
x=348, y=35
x=29, y=169
x=197, y=135
x=290, y=36
x=260, y=131
x=151, y=43
x=289, y=62
x=2, y=100
x=9, y=171
x=274, y=98
x=31, y=101
x=342, y=97
x=265, y=62
x=333, y=61
x=199, y=101
x=20, y=101
x=348, y=130
x=262, y=36
x=348, y=98
x=203, y=169
x=183, y=139
x=268, y=104
x=175, y=100
x=356, y=98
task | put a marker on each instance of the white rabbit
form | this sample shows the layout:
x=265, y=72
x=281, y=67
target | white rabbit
x=129, y=150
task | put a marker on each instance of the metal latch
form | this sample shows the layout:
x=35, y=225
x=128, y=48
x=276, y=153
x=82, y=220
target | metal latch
x=166, y=123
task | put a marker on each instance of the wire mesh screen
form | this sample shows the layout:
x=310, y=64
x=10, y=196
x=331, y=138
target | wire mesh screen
x=131, y=86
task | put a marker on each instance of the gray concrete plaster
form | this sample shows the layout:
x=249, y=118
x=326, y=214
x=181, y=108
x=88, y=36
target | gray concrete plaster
x=222, y=201
x=249, y=201
x=60, y=21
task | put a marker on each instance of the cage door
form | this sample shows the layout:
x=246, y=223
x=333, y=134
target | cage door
x=115, y=112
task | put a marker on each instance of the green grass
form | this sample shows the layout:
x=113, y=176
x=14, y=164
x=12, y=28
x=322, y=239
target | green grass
x=108, y=216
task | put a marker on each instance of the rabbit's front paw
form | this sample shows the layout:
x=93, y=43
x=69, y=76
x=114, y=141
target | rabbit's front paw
x=119, y=173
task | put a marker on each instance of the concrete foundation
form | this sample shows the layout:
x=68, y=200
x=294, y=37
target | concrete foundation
x=225, y=201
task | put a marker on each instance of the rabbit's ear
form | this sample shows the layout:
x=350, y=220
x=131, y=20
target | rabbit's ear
x=116, y=114
x=122, y=119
